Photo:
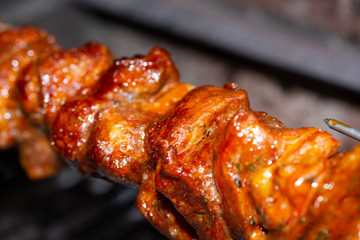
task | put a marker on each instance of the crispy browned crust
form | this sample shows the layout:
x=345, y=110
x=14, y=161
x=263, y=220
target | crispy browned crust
x=206, y=165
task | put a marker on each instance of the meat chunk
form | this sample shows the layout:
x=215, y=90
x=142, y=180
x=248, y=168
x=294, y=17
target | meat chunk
x=19, y=47
x=115, y=148
x=104, y=131
x=265, y=173
x=44, y=86
x=182, y=144
x=233, y=173
x=334, y=210
x=161, y=213
x=38, y=158
x=61, y=76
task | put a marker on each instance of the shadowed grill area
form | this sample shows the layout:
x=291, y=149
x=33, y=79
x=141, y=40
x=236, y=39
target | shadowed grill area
x=67, y=206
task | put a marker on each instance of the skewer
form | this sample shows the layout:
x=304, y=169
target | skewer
x=343, y=128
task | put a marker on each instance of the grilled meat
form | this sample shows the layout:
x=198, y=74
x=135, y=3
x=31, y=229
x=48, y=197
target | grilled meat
x=206, y=165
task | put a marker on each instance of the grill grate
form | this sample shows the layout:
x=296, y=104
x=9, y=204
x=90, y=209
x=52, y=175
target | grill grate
x=67, y=206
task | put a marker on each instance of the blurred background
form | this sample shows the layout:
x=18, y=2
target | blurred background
x=299, y=61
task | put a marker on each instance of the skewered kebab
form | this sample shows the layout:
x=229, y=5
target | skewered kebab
x=20, y=47
x=207, y=166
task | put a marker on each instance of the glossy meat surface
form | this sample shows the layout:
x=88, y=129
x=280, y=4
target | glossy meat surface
x=266, y=176
x=61, y=76
x=234, y=173
x=206, y=165
x=38, y=158
x=182, y=144
x=104, y=131
x=115, y=147
x=19, y=47
x=53, y=80
x=36, y=76
x=160, y=212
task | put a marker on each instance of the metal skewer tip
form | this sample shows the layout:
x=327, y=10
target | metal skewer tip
x=343, y=128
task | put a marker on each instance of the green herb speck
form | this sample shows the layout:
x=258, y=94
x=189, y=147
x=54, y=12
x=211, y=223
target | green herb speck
x=250, y=167
x=310, y=179
x=259, y=158
x=322, y=235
